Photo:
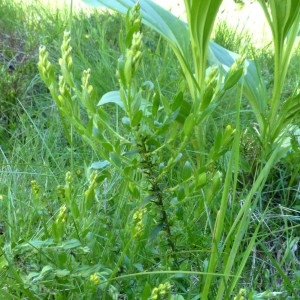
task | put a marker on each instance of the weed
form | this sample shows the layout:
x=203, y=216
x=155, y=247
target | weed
x=158, y=185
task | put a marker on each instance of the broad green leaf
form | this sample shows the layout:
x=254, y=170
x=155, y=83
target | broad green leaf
x=284, y=19
x=253, y=87
x=201, y=18
x=176, y=32
x=281, y=17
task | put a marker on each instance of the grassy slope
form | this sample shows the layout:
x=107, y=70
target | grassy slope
x=36, y=157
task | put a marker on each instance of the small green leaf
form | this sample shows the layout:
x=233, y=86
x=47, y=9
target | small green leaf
x=187, y=170
x=289, y=111
x=181, y=193
x=214, y=187
x=177, y=101
x=111, y=97
x=290, y=108
x=166, y=104
x=232, y=78
x=156, y=231
x=100, y=164
x=121, y=70
x=177, y=158
x=155, y=104
x=107, y=146
x=57, y=232
x=146, y=292
x=74, y=209
x=115, y=159
x=176, y=297
x=62, y=273
x=3, y=262
x=188, y=125
x=133, y=190
x=184, y=112
x=89, y=198
x=139, y=267
x=71, y=244
x=41, y=244
x=46, y=269
x=137, y=118
x=126, y=121
x=136, y=103
x=200, y=178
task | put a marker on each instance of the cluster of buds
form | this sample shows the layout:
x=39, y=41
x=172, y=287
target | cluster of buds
x=85, y=80
x=45, y=67
x=35, y=188
x=61, y=191
x=95, y=279
x=89, y=194
x=64, y=94
x=36, y=191
x=135, y=18
x=66, y=83
x=128, y=66
x=138, y=222
x=65, y=191
x=241, y=295
x=160, y=291
x=211, y=84
x=58, y=227
x=235, y=72
x=87, y=90
x=62, y=215
x=134, y=54
x=66, y=61
x=68, y=178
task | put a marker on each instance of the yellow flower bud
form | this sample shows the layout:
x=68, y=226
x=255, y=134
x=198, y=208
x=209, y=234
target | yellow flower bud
x=95, y=279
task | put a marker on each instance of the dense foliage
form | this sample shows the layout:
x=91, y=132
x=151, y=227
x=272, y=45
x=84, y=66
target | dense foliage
x=166, y=167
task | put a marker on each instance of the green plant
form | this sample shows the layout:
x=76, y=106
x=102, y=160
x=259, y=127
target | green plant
x=161, y=149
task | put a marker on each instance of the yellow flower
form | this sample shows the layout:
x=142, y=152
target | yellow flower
x=95, y=279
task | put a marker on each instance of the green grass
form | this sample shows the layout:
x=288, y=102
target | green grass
x=91, y=250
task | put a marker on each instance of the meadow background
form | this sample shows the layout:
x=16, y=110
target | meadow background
x=74, y=225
